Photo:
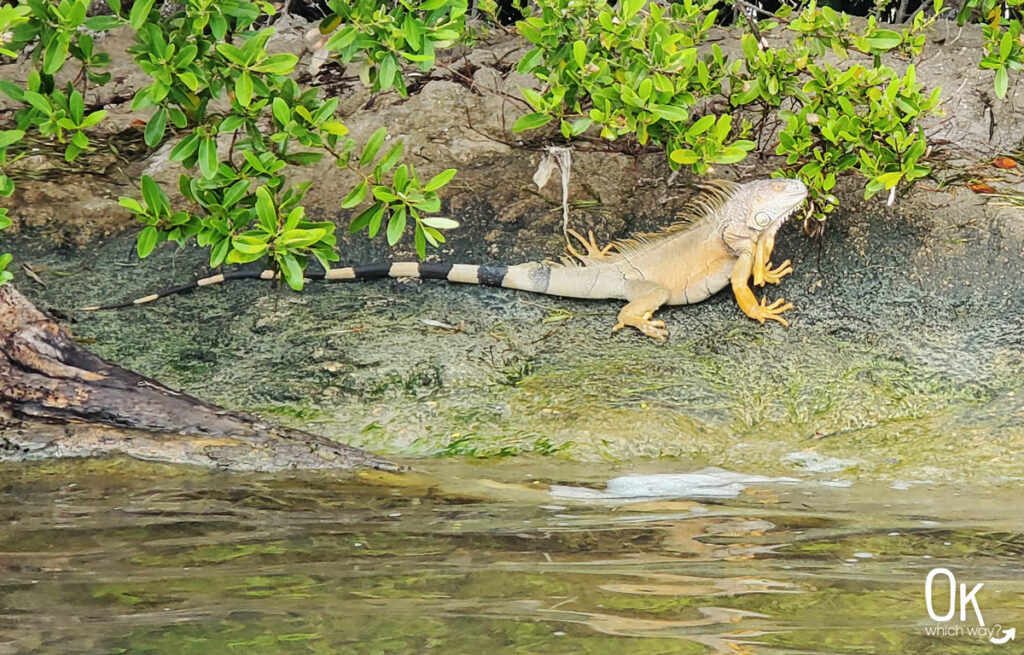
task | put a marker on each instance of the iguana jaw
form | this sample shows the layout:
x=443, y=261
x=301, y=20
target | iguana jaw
x=783, y=198
x=778, y=202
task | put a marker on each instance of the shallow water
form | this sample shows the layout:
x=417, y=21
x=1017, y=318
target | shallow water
x=123, y=557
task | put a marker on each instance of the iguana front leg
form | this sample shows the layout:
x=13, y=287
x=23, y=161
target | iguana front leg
x=763, y=271
x=745, y=297
x=645, y=299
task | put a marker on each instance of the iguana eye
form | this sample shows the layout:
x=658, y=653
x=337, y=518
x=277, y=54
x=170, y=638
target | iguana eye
x=762, y=218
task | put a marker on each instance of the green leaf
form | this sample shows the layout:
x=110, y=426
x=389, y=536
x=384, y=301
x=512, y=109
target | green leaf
x=730, y=156
x=148, y=238
x=303, y=158
x=671, y=113
x=131, y=204
x=342, y=38
x=155, y=197
x=420, y=242
x=889, y=180
x=390, y=159
x=7, y=137
x=401, y=178
x=140, y=14
x=430, y=204
x=281, y=111
x=302, y=238
x=375, y=221
x=439, y=180
x=440, y=222
x=1005, y=46
x=231, y=53
x=372, y=146
x=433, y=236
x=335, y=128
x=243, y=89
x=93, y=118
x=12, y=90
x=749, y=44
x=386, y=74
x=701, y=125
x=530, y=60
x=396, y=225
x=884, y=40
x=249, y=245
x=218, y=26
x=355, y=196
x=219, y=251
x=1002, y=82
x=155, y=128
x=101, y=23
x=531, y=122
x=208, y=156
x=292, y=272
x=177, y=117
x=279, y=64
x=231, y=123
x=185, y=148
x=38, y=101
x=190, y=80
x=55, y=55
x=684, y=156
x=364, y=218
x=265, y=210
x=76, y=106
x=579, y=52
x=532, y=97
x=631, y=7
x=235, y=192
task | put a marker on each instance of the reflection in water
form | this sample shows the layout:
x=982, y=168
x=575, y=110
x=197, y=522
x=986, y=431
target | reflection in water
x=136, y=558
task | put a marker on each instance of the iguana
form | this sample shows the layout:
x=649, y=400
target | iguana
x=726, y=237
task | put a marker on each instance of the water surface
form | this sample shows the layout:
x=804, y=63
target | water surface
x=123, y=557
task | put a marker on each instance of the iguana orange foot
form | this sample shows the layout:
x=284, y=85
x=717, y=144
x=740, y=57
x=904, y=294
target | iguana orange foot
x=773, y=275
x=765, y=311
x=654, y=329
x=594, y=251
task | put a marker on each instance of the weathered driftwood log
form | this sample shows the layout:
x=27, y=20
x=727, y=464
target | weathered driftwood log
x=70, y=403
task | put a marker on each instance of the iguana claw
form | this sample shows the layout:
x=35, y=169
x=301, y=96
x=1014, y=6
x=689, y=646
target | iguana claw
x=654, y=329
x=773, y=311
x=773, y=275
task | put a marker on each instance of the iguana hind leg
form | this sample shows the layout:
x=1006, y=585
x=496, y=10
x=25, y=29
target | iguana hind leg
x=763, y=271
x=645, y=299
x=745, y=297
x=594, y=251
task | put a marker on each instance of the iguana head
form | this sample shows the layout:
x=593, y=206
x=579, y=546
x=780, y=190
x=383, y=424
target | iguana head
x=758, y=209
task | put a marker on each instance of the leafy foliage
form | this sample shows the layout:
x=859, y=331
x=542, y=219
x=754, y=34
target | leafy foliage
x=1004, y=41
x=651, y=72
x=631, y=71
x=383, y=35
x=242, y=206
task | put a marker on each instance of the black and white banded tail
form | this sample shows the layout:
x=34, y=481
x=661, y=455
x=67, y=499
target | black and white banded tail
x=466, y=273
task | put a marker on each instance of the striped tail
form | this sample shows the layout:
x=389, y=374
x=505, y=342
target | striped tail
x=538, y=277
x=466, y=273
x=556, y=280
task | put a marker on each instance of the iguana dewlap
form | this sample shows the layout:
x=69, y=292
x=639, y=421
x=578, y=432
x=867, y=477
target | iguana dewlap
x=725, y=239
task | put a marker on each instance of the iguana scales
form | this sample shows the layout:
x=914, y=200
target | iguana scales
x=725, y=238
